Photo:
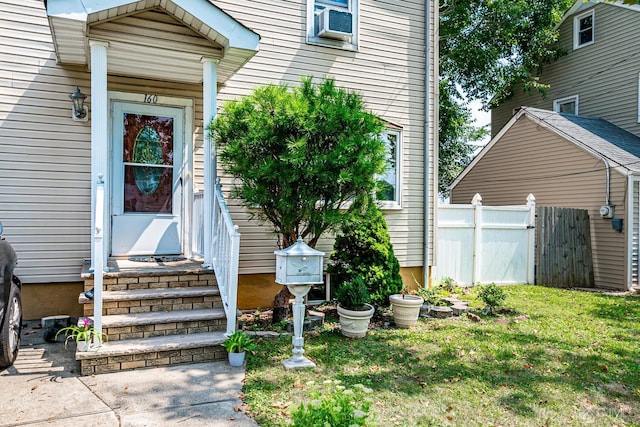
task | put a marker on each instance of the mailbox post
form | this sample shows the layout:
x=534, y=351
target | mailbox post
x=298, y=267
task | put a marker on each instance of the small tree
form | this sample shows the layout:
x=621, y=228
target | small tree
x=363, y=249
x=300, y=154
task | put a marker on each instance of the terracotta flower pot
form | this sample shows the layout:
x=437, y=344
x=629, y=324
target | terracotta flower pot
x=406, y=309
x=354, y=323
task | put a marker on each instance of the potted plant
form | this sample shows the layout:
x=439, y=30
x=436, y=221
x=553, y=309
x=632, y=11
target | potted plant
x=83, y=334
x=237, y=344
x=406, y=309
x=353, y=308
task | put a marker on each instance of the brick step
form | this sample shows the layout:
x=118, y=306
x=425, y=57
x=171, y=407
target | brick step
x=147, y=300
x=153, y=351
x=161, y=323
x=144, y=294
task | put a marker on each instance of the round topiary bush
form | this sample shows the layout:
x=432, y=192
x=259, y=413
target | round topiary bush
x=363, y=249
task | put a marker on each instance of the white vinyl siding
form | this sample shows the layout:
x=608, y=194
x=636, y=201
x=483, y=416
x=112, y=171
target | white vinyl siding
x=388, y=72
x=44, y=167
x=45, y=156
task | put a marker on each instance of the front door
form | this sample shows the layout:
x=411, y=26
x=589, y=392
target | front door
x=147, y=162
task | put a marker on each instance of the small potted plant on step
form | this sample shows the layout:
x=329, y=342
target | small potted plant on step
x=353, y=308
x=83, y=334
x=237, y=344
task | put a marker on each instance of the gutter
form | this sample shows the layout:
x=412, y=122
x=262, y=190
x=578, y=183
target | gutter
x=427, y=75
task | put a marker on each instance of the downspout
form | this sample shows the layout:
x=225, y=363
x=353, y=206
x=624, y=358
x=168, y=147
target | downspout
x=608, y=194
x=427, y=76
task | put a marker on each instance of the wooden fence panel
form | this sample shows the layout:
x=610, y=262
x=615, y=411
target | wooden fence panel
x=564, y=248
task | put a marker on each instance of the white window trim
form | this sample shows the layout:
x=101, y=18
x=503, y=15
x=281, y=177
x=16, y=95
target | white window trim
x=395, y=204
x=576, y=29
x=558, y=102
x=354, y=7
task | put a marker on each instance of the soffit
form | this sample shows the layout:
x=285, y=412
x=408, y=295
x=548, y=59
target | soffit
x=157, y=39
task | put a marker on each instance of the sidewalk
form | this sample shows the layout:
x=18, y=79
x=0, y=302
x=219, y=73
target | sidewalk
x=44, y=388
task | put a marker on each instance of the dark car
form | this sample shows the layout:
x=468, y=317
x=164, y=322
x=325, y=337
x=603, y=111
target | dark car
x=10, y=305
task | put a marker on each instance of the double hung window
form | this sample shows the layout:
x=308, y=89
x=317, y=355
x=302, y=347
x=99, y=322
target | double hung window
x=583, y=29
x=388, y=190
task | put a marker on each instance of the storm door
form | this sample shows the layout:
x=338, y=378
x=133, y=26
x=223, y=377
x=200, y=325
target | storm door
x=147, y=179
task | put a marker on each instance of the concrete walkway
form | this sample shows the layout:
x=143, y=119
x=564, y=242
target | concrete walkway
x=44, y=388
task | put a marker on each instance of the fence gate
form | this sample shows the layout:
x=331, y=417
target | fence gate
x=564, y=248
x=484, y=244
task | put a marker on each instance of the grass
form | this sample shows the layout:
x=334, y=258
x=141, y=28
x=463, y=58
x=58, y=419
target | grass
x=575, y=361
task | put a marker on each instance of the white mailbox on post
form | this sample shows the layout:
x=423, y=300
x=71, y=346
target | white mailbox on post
x=298, y=267
x=299, y=264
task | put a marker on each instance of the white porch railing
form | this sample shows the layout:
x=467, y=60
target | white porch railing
x=225, y=250
x=197, y=235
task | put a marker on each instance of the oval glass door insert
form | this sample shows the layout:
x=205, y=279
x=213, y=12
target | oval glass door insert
x=147, y=149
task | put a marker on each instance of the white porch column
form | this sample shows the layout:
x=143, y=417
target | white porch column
x=99, y=171
x=99, y=128
x=210, y=101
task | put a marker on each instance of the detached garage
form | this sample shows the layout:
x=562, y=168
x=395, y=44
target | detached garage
x=567, y=161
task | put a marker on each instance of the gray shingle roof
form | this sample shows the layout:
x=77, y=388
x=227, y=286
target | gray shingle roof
x=595, y=134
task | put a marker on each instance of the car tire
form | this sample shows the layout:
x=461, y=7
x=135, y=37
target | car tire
x=11, y=328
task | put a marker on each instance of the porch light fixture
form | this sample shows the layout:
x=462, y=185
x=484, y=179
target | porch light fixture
x=79, y=113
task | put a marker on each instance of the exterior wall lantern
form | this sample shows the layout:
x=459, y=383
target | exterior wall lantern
x=298, y=267
x=79, y=113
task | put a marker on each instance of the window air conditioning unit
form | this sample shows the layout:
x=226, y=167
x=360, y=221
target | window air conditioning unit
x=606, y=211
x=335, y=24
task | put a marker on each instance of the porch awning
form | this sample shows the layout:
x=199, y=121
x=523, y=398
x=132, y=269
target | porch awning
x=158, y=39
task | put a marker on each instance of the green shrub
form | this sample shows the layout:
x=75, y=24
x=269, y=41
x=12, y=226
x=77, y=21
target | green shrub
x=430, y=296
x=447, y=283
x=335, y=406
x=492, y=295
x=353, y=294
x=363, y=248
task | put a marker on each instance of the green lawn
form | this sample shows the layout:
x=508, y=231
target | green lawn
x=575, y=361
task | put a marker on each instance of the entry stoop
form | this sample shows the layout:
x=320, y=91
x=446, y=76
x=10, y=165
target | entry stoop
x=155, y=314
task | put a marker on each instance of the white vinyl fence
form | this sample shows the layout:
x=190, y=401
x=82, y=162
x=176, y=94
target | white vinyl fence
x=484, y=244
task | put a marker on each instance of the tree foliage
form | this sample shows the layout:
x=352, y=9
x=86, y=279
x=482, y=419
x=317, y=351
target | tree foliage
x=300, y=154
x=458, y=136
x=487, y=49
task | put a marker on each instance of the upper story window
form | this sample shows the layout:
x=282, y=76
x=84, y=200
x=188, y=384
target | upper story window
x=583, y=29
x=388, y=191
x=333, y=23
x=567, y=105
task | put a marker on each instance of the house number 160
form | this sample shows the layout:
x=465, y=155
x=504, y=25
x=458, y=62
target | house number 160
x=150, y=99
